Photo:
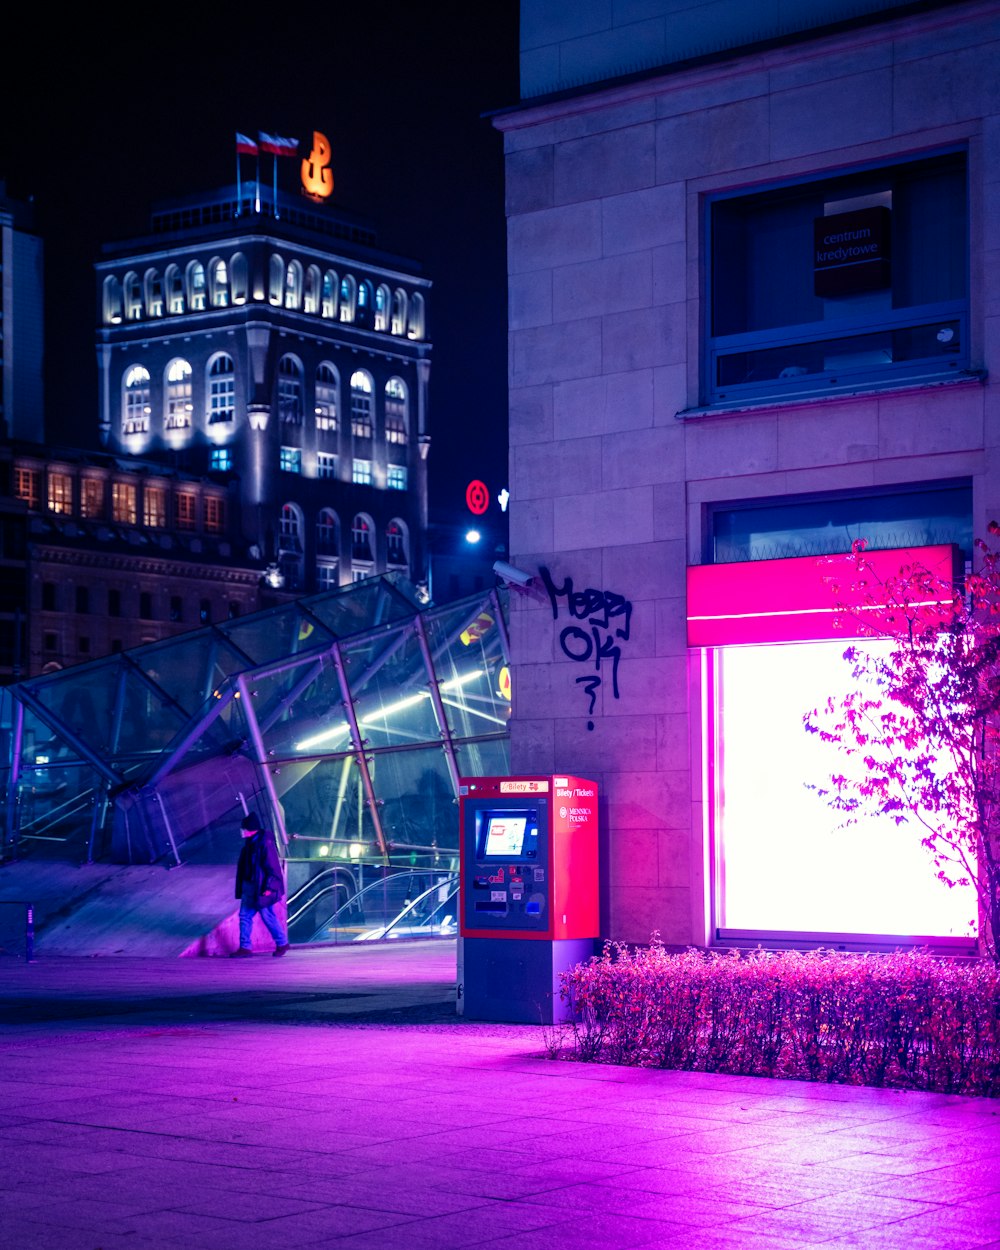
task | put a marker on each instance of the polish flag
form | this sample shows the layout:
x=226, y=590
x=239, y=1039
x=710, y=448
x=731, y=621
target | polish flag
x=276, y=145
x=245, y=146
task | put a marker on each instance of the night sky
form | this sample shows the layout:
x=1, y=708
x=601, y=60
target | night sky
x=110, y=118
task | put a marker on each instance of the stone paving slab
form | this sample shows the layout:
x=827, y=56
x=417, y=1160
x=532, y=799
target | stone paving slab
x=335, y=1099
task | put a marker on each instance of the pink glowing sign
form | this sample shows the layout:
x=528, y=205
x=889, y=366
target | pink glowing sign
x=799, y=599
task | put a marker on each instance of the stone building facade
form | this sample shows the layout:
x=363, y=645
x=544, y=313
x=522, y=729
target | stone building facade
x=753, y=315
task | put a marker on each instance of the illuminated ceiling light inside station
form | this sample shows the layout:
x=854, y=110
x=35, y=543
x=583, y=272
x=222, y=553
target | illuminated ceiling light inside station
x=472, y=536
x=383, y=714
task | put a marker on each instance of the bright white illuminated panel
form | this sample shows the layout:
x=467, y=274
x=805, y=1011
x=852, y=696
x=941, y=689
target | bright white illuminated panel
x=784, y=864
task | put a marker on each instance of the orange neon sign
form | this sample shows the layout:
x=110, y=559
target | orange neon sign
x=317, y=176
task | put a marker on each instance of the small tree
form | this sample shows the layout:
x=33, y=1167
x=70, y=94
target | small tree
x=924, y=719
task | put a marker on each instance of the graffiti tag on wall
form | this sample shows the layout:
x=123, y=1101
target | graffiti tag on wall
x=605, y=619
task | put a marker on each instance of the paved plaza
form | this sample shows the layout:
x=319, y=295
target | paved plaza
x=334, y=1098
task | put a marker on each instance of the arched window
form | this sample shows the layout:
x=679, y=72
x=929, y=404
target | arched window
x=415, y=327
x=398, y=325
x=276, y=280
x=348, y=297
x=331, y=292
x=361, y=404
x=396, y=554
x=179, y=404
x=382, y=302
x=219, y=293
x=174, y=280
x=361, y=540
x=112, y=301
x=290, y=545
x=293, y=285
x=239, y=278
x=326, y=398
x=133, y=296
x=366, y=304
x=310, y=300
x=152, y=285
x=327, y=533
x=135, y=405
x=395, y=412
x=290, y=390
x=221, y=389
x=196, y=286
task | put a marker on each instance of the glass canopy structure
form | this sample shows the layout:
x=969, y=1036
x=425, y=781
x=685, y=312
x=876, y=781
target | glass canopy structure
x=344, y=719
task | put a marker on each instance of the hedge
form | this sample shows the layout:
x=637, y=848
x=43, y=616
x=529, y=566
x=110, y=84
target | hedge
x=907, y=1020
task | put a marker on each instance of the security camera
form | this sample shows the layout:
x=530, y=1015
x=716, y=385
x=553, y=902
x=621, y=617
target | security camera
x=507, y=573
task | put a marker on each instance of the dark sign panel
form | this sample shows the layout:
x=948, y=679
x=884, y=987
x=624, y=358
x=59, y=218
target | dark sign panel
x=851, y=252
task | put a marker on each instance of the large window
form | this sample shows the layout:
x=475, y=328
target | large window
x=783, y=862
x=135, y=419
x=123, y=502
x=154, y=507
x=290, y=390
x=395, y=411
x=221, y=389
x=179, y=404
x=326, y=398
x=60, y=492
x=831, y=284
x=361, y=404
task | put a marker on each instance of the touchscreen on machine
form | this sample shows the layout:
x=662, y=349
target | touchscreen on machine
x=505, y=835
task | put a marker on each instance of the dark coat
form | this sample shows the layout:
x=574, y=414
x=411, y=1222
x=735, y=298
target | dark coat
x=259, y=882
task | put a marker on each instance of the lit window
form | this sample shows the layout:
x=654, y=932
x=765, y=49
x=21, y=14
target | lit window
x=137, y=409
x=348, y=298
x=221, y=390
x=179, y=405
x=382, y=300
x=153, y=284
x=326, y=464
x=366, y=300
x=361, y=404
x=154, y=507
x=331, y=290
x=123, y=503
x=196, y=286
x=396, y=477
x=220, y=284
x=133, y=297
x=220, y=460
x=239, y=277
x=112, y=301
x=415, y=328
x=91, y=497
x=60, y=493
x=395, y=411
x=326, y=398
x=26, y=486
x=290, y=390
x=291, y=460
x=804, y=297
x=362, y=475
x=275, y=280
x=293, y=285
x=215, y=514
x=185, y=505
x=310, y=299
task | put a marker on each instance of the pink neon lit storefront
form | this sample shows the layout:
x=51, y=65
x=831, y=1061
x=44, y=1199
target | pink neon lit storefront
x=772, y=642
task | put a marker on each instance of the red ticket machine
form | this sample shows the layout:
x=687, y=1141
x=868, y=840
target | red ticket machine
x=529, y=893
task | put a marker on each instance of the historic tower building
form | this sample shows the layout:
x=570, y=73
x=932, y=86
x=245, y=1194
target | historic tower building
x=259, y=337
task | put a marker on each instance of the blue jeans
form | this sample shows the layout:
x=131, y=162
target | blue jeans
x=274, y=925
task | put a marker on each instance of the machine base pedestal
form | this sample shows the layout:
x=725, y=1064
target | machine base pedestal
x=516, y=980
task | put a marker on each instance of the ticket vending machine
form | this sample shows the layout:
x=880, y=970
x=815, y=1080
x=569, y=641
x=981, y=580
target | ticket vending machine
x=528, y=898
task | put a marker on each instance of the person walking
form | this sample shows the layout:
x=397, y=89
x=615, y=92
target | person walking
x=259, y=886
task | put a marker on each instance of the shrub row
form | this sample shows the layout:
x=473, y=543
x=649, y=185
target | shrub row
x=906, y=1020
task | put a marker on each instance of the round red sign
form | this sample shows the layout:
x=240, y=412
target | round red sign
x=477, y=497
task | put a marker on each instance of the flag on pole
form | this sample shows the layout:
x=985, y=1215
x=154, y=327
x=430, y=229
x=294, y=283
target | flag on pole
x=245, y=146
x=276, y=145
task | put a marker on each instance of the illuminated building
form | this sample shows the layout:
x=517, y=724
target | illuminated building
x=261, y=337
x=753, y=279
x=21, y=309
